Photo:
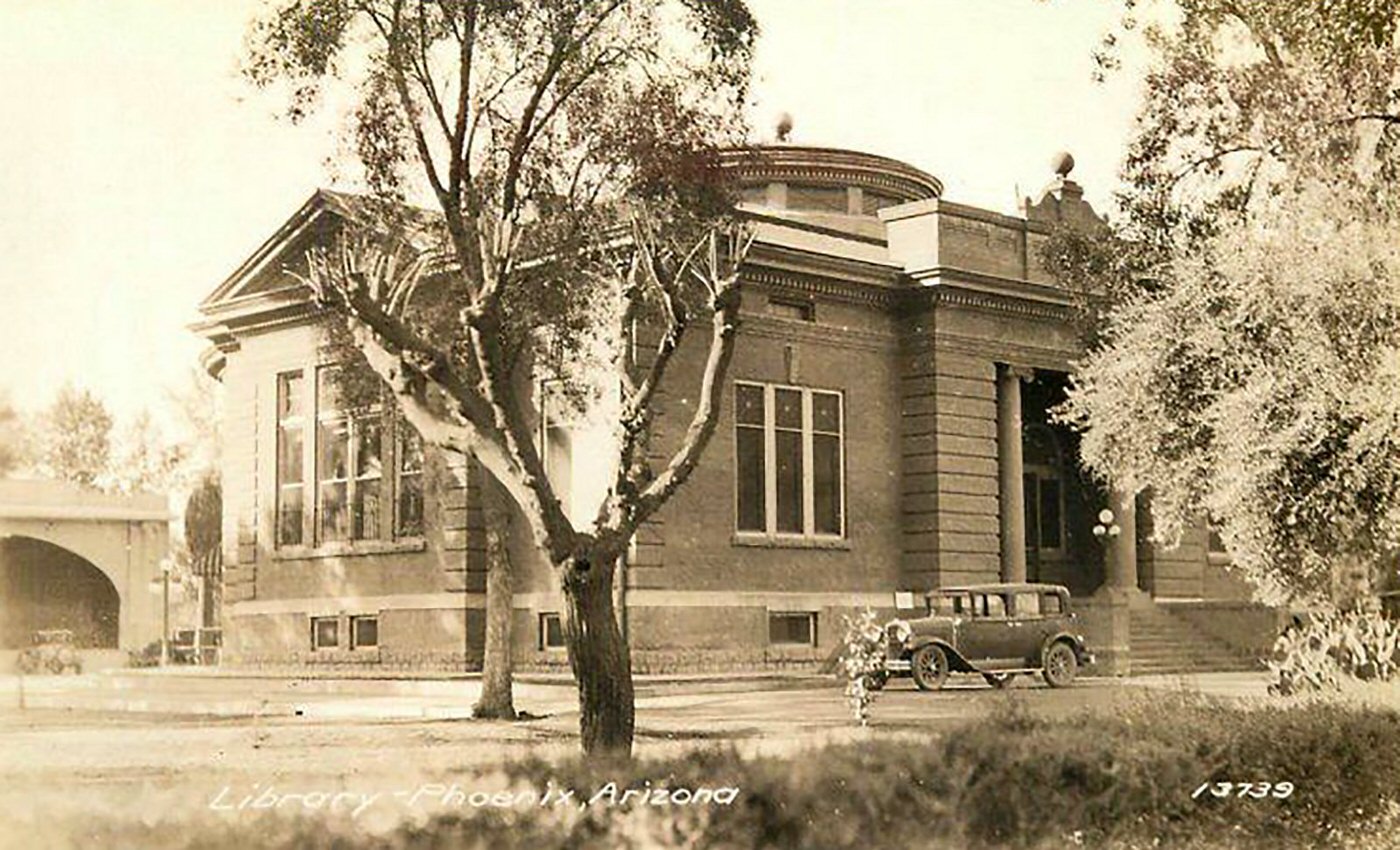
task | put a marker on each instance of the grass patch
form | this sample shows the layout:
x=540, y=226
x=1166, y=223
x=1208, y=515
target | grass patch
x=1121, y=780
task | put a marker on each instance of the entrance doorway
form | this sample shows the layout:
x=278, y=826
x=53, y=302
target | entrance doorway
x=44, y=586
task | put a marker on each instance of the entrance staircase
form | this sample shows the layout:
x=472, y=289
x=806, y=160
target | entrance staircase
x=1163, y=643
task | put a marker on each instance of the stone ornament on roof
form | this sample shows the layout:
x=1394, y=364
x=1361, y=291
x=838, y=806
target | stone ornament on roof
x=1062, y=199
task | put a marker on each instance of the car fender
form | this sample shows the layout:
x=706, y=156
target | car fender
x=1080, y=650
x=955, y=658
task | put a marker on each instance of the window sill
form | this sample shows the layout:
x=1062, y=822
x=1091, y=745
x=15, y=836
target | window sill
x=349, y=549
x=336, y=655
x=782, y=541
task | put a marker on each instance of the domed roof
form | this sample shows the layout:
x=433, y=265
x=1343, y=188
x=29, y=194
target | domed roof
x=834, y=168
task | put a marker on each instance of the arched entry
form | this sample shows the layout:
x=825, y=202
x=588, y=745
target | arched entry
x=44, y=586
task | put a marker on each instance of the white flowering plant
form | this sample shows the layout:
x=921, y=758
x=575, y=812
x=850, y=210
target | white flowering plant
x=1321, y=654
x=863, y=663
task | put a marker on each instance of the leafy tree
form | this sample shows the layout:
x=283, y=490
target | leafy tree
x=13, y=440
x=74, y=437
x=570, y=153
x=204, y=539
x=1250, y=373
x=142, y=459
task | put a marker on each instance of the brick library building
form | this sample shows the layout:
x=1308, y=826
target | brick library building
x=885, y=430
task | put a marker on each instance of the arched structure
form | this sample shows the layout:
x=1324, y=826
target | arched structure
x=79, y=560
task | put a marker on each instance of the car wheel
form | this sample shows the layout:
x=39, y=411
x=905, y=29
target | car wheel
x=1061, y=664
x=56, y=665
x=999, y=680
x=930, y=668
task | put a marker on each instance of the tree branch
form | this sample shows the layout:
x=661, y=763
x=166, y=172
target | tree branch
x=724, y=284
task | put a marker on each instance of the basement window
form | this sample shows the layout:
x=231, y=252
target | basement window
x=551, y=631
x=792, y=628
x=364, y=632
x=325, y=632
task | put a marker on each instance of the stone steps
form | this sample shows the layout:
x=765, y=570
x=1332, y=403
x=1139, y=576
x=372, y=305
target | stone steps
x=1164, y=644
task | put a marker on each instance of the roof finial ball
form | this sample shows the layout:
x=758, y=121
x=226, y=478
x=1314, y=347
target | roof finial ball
x=1062, y=164
x=784, y=128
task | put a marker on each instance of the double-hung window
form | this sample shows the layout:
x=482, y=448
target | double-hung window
x=360, y=477
x=291, y=478
x=790, y=461
x=349, y=465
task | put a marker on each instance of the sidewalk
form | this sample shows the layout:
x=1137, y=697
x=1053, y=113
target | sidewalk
x=209, y=692
x=195, y=693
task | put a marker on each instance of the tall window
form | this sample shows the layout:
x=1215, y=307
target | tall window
x=789, y=463
x=291, y=475
x=349, y=464
x=366, y=469
x=408, y=513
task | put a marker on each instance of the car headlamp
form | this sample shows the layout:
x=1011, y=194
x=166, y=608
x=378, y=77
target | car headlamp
x=899, y=631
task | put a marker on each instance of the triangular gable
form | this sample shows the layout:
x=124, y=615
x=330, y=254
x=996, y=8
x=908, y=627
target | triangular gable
x=264, y=270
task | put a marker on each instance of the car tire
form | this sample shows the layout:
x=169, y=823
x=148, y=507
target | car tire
x=1000, y=681
x=1061, y=665
x=930, y=667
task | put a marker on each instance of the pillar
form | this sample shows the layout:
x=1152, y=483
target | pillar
x=1009, y=469
x=1122, y=550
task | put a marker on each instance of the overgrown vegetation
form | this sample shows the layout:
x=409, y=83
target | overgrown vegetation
x=1321, y=654
x=1120, y=779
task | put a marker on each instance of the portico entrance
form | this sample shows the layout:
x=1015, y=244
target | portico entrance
x=1048, y=503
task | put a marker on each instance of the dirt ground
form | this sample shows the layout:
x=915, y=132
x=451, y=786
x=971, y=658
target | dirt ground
x=61, y=768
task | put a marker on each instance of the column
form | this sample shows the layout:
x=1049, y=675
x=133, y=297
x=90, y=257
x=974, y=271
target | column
x=1122, y=550
x=1009, y=466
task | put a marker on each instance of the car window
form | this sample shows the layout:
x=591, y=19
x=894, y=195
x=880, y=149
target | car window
x=988, y=605
x=1027, y=605
x=1050, y=604
x=948, y=605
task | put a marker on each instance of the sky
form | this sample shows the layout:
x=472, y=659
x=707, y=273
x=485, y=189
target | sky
x=137, y=169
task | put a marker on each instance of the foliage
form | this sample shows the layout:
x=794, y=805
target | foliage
x=143, y=461
x=1320, y=654
x=204, y=521
x=1251, y=373
x=1103, y=779
x=13, y=440
x=863, y=662
x=75, y=437
x=146, y=656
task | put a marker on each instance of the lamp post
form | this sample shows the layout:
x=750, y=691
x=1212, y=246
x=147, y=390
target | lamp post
x=165, y=567
x=1106, y=526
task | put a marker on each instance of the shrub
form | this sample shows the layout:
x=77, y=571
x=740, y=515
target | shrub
x=1121, y=779
x=146, y=656
x=863, y=663
x=1321, y=653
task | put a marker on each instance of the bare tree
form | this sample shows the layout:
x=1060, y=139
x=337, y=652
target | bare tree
x=570, y=151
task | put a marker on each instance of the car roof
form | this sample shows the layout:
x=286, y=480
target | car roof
x=1012, y=587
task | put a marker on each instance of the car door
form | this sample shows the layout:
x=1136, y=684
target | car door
x=988, y=639
x=1038, y=621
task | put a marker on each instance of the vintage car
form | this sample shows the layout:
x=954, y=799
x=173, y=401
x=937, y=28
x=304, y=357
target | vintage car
x=53, y=651
x=996, y=630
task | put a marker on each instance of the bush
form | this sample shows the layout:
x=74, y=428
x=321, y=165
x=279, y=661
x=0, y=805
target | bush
x=146, y=656
x=1117, y=780
x=1321, y=653
x=863, y=663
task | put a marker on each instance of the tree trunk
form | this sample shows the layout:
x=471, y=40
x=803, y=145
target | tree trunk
x=598, y=656
x=496, y=665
